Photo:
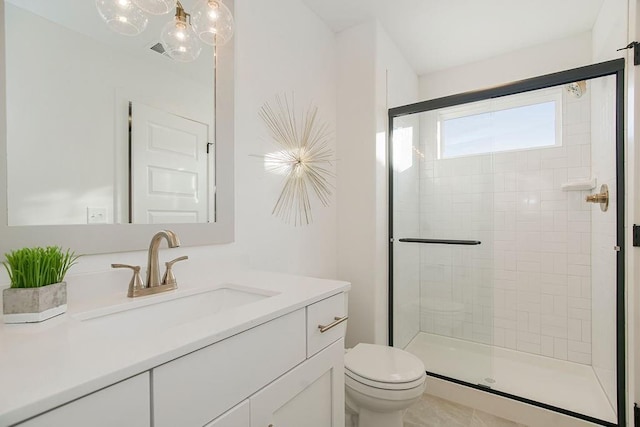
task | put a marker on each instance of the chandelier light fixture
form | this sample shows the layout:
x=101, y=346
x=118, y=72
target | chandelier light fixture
x=211, y=23
x=122, y=16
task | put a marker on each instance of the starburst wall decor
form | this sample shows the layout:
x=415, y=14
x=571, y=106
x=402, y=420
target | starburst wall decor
x=305, y=159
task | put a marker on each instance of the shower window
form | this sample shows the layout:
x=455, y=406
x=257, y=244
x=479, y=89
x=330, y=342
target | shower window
x=524, y=121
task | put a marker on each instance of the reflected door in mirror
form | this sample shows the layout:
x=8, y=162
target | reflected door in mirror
x=168, y=168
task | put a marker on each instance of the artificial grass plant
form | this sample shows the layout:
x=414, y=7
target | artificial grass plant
x=37, y=267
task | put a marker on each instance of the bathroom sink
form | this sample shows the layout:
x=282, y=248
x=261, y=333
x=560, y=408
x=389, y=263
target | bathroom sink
x=158, y=312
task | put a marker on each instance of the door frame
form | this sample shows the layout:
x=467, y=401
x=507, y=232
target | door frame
x=616, y=68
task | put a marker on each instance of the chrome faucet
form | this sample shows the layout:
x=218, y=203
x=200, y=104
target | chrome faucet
x=153, y=265
x=154, y=284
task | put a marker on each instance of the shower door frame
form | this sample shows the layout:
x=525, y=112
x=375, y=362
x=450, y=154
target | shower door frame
x=610, y=68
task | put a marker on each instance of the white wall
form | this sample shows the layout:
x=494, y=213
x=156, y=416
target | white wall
x=373, y=76
x=281, y=48
x=357, y=176
x=529, y=62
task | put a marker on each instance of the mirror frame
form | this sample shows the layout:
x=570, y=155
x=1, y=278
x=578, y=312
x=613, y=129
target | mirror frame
x=109, y=238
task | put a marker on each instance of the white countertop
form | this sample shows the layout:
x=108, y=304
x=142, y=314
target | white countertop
x=45, y=365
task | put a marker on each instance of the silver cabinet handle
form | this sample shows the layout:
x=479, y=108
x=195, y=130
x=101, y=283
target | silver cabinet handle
x=337, y=321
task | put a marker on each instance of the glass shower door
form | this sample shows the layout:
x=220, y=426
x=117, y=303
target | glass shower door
x=442, y=253
x=503, y=274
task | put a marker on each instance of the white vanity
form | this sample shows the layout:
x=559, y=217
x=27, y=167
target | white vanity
x=258, y=360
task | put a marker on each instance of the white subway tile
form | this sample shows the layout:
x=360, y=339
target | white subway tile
x=510, y=339
x=528, y=337
x=528, y=266
x=584, y=303
x=560, y=265
x=555, y=247
x=574, y=286
x=579, y=270
x=586, y=287
x=551, y=289
x=528, y=347
x=581, y=172
x=553, y=205
x=585, y=156
x=574, y=157
x=574, y=242
x=575, y=331
x=523, y=321
x=579, y=313
x=554, y=279
x=560, y=348
x=560, y=306
x=553, y=331
x=553, y=236
x=579, y=259
x=547, y=180
x=586, y=243
x=586, y=331
x=583, y=128
x=534, y=322
x=498, y=337
x=572, y=113
x=554, y=163
x=579, y=227
x=546, y=346
x=579, y=216
x=560, y=177
x=553, y=153
x=546, y=304
x=577, y=139
x=576, y=357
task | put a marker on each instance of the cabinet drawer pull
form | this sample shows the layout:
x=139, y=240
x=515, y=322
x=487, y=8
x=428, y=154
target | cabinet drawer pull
x=338, y=320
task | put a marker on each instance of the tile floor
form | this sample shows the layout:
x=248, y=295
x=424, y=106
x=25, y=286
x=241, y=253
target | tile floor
x=431, y=411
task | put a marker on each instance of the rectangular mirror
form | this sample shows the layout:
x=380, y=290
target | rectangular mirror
x=106, y=134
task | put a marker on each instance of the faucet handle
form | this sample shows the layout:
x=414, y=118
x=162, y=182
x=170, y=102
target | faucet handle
x=169, y=278
x=136, y=281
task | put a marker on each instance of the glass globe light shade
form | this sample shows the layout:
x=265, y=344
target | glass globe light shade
x=122, y=16
x=180, y=42
x=213, y=22
x=156, y=7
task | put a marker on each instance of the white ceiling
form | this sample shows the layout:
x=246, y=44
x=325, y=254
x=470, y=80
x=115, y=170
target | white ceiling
x=439, y=34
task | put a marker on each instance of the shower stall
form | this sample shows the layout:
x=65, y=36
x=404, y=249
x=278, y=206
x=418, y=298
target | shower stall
x=506, y=244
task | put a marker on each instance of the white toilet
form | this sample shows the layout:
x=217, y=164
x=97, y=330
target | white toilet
x=381, y=383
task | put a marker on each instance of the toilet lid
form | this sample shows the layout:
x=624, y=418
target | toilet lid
x=383, y=364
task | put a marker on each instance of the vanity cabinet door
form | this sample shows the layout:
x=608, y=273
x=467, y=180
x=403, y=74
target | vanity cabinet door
x=238, y=416
x=311, y=395
x=123, y=404
x=194, y=389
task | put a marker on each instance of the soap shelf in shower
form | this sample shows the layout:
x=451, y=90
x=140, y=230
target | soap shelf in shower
x=581, y=185
x=441, y=241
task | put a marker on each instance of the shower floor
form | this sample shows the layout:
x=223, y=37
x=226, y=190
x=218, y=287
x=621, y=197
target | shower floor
x=567, y=385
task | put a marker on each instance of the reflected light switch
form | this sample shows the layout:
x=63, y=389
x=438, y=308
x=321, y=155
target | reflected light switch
x=96, y=215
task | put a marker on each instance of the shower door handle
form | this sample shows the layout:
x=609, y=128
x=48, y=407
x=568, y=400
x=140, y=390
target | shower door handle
x=441, y=241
